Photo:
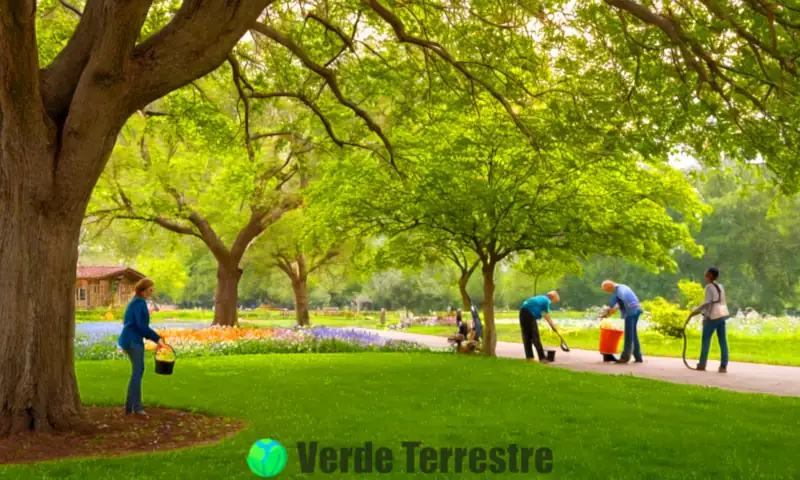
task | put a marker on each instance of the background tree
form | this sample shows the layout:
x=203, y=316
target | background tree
x=749, y=235
x=416, y=249
x=225, y=199
x=297, y=250
x=546, y=265
x=483, y=186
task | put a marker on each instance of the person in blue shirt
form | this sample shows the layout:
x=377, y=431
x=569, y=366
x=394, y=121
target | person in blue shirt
x=532, y=310
x=630, y=309
x=131, y=340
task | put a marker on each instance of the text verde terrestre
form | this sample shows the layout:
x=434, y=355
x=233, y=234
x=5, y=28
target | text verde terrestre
x=424, y=459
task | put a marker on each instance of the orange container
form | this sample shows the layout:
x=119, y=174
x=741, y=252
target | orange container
x=609, y=340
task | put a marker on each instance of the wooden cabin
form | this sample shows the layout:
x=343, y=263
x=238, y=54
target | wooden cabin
x=102, y=287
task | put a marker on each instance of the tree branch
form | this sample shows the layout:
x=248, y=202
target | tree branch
x=60, y=78
x=237, y=77
x=171, y=225
x=320, y=115
x=333, y=28
x=20, y=99
x=176, y=227
x=250, y=232
x=286, y=133
x=196, y=41
x=210, y=237
x=284, y=264
x=329, y=255
x=150, y=113
x=330, y=79
x=70, y=8
x=91, y=127
x=400, y=31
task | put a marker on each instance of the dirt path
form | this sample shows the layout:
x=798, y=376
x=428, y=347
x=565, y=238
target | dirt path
x=742, y=377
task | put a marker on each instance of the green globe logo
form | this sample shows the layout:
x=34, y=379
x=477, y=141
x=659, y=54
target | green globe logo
x=267, y=458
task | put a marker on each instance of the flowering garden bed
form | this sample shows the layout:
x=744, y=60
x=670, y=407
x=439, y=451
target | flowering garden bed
x=214, y=341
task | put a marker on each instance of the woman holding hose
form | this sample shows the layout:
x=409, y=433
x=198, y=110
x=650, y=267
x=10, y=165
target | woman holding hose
x=715, y=313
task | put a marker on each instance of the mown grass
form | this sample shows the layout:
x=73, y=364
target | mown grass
x=775, y=349
x=597, y=426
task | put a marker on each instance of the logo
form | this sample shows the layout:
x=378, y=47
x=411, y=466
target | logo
x=266, y=458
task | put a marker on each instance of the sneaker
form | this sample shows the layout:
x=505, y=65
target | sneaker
x=140, y=412
x=624, y=360
x=700, y=368
x=639, y=361
x=723, y=370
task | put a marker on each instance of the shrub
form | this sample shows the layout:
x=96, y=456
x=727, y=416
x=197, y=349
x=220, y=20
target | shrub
x=665, y=317
x=692, y=293
x=97, y=314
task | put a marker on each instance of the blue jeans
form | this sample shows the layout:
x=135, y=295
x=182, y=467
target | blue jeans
x=632, y=337
x=709, y=327
x=133, y=403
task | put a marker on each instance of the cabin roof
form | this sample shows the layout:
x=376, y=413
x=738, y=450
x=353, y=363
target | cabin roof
x=99, y=272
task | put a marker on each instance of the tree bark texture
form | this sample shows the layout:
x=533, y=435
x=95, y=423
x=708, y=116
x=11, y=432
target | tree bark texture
x=300, y=291
x=489, y=330
x=466, y=302
x=38, y=254
x=226, y=299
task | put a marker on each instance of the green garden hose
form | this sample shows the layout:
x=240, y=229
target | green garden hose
x=684, y=343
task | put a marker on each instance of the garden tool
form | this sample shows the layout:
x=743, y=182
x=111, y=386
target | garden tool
x=564, y=345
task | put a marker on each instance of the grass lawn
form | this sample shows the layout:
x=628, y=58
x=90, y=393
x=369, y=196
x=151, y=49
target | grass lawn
x=765, y=348
x=328, y=321
x=597, y=426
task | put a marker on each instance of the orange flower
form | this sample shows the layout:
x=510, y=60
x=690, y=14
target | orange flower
x=211, y=335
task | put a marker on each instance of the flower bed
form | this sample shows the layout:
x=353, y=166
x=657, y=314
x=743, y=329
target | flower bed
x=214, y=341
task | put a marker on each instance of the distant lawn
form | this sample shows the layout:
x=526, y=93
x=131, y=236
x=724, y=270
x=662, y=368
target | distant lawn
x=94, y=315
x=598, y=426
x=326, y=320
x=763, y=348
x=262, y=318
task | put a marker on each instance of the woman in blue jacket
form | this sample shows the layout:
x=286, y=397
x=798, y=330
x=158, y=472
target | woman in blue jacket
x=131, y=340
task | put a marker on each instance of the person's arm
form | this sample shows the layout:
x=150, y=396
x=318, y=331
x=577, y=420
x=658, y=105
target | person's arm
x=708, y=300
x=143, y=324
x=611, y=307
x=549, y=320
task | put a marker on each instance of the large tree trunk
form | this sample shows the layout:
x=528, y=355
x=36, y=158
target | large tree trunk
x=38, y=256
x=300, y=290
x=489, y=331
x=58, y=126
x=227, y=296
x=466, y=302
